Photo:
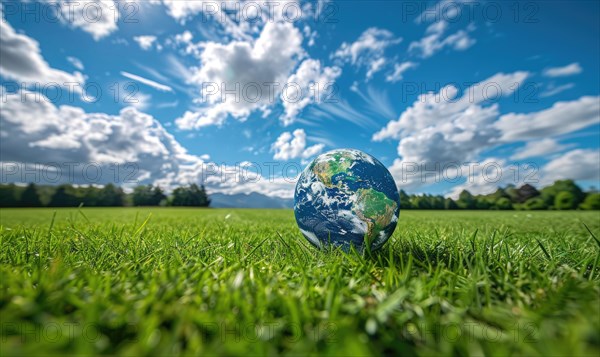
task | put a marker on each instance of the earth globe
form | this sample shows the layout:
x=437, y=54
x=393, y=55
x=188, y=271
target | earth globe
x=346, y=198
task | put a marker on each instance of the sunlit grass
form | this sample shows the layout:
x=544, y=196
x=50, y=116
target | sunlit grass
x=241, y=282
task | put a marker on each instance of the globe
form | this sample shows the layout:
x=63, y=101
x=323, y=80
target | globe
x=346, y=198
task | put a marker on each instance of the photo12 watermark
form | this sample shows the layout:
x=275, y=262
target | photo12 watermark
x=55, y=332
x=128, y=173
x=469, y=11
x=470, y=331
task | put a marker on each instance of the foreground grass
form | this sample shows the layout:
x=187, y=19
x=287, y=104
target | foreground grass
x=244, y=282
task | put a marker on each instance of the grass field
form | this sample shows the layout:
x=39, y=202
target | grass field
x=244, y=282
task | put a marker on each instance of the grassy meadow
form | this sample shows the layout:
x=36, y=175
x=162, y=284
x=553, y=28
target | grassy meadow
x=167, y=281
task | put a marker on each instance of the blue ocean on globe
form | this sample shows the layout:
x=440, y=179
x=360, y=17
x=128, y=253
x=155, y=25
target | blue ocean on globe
x=346, y=198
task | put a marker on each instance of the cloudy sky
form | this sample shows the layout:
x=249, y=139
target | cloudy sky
x=240, y=96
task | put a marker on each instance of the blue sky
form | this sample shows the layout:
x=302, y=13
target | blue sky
x=513, y=88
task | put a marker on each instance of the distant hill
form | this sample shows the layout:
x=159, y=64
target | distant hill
x=252, y=200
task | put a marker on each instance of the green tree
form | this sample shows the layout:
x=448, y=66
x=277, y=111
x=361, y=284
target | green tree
x=63, y=197
x=549, y=193
x=142, y=196
x=192, y=196
x=30, y=197
x=526, y=192
x=466, y=200
x=591, y=202
x=420, y=202
x=111, y=196
x=8, y=195
x=503, y=203
x=147, y=196
x=404, y=200
x=565, y=200
x=89, y=196
x=450, y=204
x=498, y=194
x=512, y=192
x=158, y=196
x=535, y=204
x=482, y=203
x=437, y=202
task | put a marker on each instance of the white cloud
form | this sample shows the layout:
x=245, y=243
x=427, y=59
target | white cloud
x=76, y=62
x=148, y=82
x=485, y=177
x=578, y=164
x=368, y=50
x=99, y=18
x=22, y=60
x=375, y=66
x=220, y=12
x=145, y=42
x=311, y=83
x=561, y=118
x=38, y=132
x=399, y=69
x=340, y=110
x=290, y=146
x=434, y=40
x=554, y=90
x=310, y=35
x=538, y=149
x=185, y=39
x=568, y=70
x=377, y=102
x=441, y=128
x=140, y=101
x=371, y=42
x=444, y=110
x=257, y=71
x=239, y=20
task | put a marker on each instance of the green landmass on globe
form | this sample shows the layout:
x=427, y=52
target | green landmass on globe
x=346, y=197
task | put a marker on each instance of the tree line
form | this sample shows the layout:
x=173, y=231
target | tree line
x=561, y=195
x=33, y=195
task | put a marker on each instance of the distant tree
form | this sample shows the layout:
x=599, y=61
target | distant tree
x=482, y=203
x=549, y=193
x=591, y=202
x=565, y=200
x=158, y=196
x=111, y=196
x=63, y=197
x=466, y=200
x=180, y=197
x=450, y=204
x=141, y=195
x=192, y=196
x=503, y=203
x=30, y=197
x=437, y=202
x=90, y=196
x=420, y=202
x=512, y=192
x=204, y=200
x=535, y=204
x=498, y=194
x=526, y=192
x=405, y=200
x=8, y=195
x=147, y=196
